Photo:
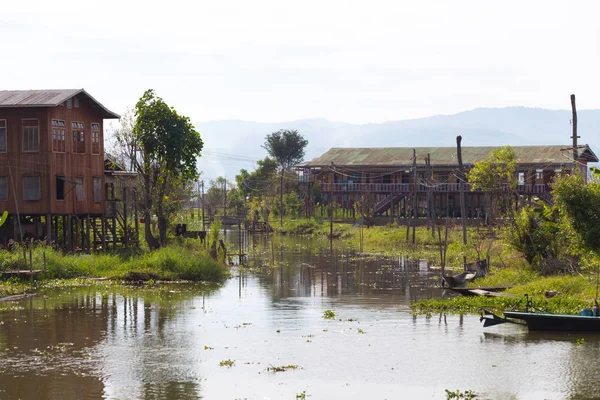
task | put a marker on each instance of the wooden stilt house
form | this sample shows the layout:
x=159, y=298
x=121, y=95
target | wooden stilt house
x=396, y=178
x=52, y=175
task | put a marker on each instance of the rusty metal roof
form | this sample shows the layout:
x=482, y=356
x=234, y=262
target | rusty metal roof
x=48, y=98
x=445, y=156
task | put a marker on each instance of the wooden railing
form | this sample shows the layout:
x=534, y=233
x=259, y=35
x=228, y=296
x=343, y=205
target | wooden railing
x=409, y=187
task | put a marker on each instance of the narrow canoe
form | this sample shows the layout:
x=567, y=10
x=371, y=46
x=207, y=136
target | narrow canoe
x=556, y=322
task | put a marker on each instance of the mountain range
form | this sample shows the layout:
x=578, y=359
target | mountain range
x=233, y=144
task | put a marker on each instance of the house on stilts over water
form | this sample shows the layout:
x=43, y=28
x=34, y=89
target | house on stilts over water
x=53, y=180
x=394, y=175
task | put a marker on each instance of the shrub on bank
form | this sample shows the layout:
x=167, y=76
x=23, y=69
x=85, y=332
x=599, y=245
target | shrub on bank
x=174, y=262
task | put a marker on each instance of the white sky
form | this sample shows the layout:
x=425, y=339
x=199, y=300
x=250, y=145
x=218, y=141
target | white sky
x=273, y=60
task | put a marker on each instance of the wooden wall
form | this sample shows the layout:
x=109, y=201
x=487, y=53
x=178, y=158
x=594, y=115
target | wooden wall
x=48, y=164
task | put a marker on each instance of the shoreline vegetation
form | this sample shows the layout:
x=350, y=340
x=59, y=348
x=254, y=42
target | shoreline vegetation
x=187, y=260
x=184, y=260
x=574, y=290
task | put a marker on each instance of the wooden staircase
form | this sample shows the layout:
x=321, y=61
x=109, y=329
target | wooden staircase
x=385, y=204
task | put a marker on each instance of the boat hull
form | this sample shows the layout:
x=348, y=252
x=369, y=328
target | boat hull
x=556, y=322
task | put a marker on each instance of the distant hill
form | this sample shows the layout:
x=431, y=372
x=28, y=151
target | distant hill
x=231, y=145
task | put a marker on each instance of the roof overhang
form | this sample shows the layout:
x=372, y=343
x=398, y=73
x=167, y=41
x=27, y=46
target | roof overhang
x=50, y=98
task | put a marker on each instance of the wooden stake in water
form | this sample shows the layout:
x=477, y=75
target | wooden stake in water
x=31, y=263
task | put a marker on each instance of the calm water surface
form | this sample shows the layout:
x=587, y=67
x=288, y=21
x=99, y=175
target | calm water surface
x=167, y=342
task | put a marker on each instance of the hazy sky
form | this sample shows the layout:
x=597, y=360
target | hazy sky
x=353, y=61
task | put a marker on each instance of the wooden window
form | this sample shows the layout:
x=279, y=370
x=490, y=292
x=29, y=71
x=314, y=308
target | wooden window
x=80, y=189
x=78, y=137
x=31, y=135
x=31, y=188
x=58, y=135
x=60, y=187
x=97, y=189
x=2, y=136
x=3, y=188
x=539, y=173
x=95, y=138
x=76, y=102
x=69, y=103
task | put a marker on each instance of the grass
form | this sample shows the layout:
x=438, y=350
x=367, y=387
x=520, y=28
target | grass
x=576, y=292
x=179, y=261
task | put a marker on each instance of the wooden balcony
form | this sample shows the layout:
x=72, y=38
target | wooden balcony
x=409, y=188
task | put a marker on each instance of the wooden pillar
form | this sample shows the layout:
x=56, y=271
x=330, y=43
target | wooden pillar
x=36, y=226
x=137, y=221
x=125, y=230
x=49, y=229
x=69, y=229
x=54, y=222
x=64, y=232
x=114, y=232
x=87, y=232
x=103, y=221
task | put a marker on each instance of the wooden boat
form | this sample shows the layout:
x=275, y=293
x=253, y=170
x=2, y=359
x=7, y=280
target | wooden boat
x=537, y=321
x=460, y=280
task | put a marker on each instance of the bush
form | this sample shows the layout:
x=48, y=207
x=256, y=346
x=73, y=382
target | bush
x=174, y=262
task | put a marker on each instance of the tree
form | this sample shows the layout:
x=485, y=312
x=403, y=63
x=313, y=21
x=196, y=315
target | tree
x=580, y=201
x=495, y=175
x=287, y=148
x=162, y=147
x=364, y=207
x=544, y=238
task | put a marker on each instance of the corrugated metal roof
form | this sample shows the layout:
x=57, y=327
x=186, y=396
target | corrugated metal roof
x=445, y=156
x=47, y=98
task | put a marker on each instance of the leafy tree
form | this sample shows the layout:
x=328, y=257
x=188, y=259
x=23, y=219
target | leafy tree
x=544, y=238
x=494, y=174
x=287, y=148
x=364, y=207
x=162, y=147
x=580, y=201
x=292, y=204
x=214, y=198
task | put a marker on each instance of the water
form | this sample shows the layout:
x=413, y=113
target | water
x=123, y=343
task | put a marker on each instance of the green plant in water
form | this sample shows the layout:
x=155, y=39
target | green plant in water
x=361, y=331
x=282, y=368
x=301, y=395
x=580, y=341
x=457, y=394
x=227, y=363
x=329, y=314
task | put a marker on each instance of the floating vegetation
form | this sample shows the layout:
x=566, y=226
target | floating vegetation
x=282, y=368
x=328, y=314
x=227, y=363
x=457, y=394
x=301, y=395
x=474, y=304
x=580, y=341
x=208, y=348
x=361, y=331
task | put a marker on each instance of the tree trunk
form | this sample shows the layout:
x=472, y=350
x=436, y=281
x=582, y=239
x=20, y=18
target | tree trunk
x=150, y=239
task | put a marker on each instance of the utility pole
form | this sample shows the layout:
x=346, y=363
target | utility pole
x=461, y=188
x=225, y=209
x=574, y=137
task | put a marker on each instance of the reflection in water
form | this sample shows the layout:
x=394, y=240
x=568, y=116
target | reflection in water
x=167, y=342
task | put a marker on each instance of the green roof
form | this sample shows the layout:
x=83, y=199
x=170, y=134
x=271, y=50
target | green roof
x=445, y=156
